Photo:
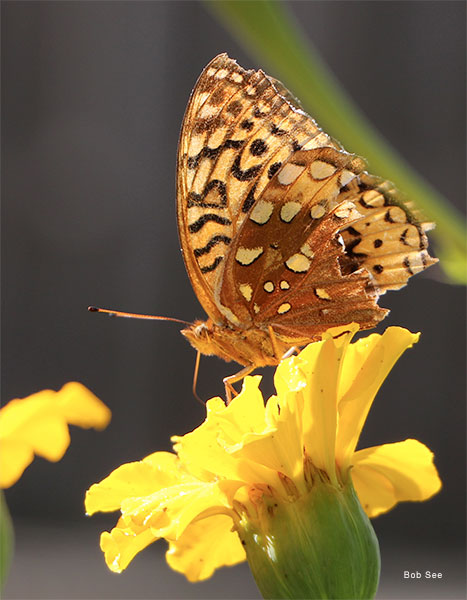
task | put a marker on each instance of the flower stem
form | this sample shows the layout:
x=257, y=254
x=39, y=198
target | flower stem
x=6, y=539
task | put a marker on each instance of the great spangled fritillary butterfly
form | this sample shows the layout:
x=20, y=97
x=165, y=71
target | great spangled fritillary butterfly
x=283, y=232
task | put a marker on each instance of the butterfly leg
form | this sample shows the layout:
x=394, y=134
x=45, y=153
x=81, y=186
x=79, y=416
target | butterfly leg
x=230, y=391
x=275, y=347
x=290, y=352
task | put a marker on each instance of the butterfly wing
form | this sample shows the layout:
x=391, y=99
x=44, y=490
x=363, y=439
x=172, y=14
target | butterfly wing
x=388, y=239
x=319, y=246
x=239, y=128
x=279, y=226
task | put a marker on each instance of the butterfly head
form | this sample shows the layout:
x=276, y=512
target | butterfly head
x=202, y=336
x=246, y=347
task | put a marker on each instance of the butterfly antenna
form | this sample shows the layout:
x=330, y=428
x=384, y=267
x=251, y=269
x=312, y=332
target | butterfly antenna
x=195, y=378
x=127, y=315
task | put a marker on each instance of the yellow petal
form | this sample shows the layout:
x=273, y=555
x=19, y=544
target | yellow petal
x=208, y=450
x=245, y=413
x=385, y=475
x=289, y=377
x=158, y=493
x=280, y=447
x=321, y=367
x=82, y=408
x=46, y=436
x=307, y=390
x=169, y=511
x=205, y=546
x=136, y=479
x=14, y=458
x=122, y=544
x=39, y=424
x=366, y=364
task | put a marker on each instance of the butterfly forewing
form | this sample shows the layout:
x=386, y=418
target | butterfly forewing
x=238, y=131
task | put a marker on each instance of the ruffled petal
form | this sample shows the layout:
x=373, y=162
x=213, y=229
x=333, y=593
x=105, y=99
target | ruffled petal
x=82, y=408
x=385, y=475
x=280, y=448
x=208, y=451
x=366, y=364
x=123, y=543
x=136, y=479
x=14, y=458
x=205, y=546
x=46, y=436
x=304, y=415
x=169, y=511
x=289, y=377
x=245, y=413
x=38, y=425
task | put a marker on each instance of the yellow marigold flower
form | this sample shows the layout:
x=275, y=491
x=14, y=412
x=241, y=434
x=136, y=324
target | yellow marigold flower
x=39, y=423
x=218, y=494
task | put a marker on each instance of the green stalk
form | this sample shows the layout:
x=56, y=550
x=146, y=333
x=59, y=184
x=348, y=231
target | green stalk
x=269, y=32
x=6, y=540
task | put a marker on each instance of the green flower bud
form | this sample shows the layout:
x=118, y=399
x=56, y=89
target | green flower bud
x=321, y=545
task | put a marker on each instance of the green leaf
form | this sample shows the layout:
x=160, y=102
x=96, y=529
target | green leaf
x=6, y=540
x=268, y=30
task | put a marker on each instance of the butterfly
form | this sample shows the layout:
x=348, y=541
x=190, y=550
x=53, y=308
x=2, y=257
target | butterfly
x=284, y=234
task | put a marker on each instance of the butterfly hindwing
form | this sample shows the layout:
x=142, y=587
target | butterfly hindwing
x=283, y=268
x=388, y=240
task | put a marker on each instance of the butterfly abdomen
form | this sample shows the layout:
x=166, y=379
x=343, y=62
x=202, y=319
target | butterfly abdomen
x=261, y=347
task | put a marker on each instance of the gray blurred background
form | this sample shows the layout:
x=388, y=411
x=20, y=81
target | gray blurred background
x=93, y=98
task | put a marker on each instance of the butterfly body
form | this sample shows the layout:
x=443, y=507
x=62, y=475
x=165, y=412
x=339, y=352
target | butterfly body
x=283, y=232
x=245, y=346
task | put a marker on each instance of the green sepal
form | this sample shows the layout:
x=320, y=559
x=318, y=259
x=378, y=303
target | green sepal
x=319, y=546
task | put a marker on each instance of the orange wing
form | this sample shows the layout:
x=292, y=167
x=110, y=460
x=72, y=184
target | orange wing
x=280, y=227
x=238, y=129
x=289, y=266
